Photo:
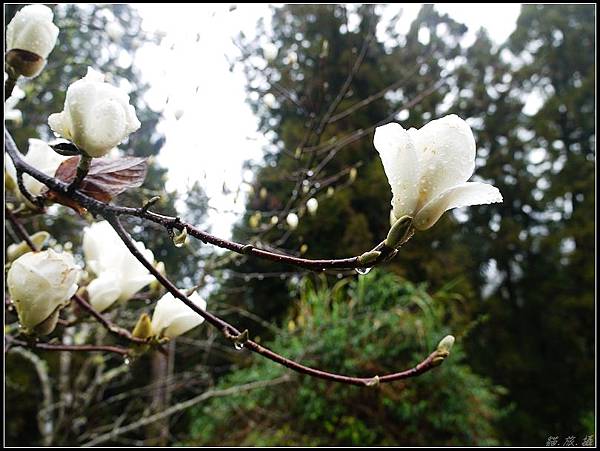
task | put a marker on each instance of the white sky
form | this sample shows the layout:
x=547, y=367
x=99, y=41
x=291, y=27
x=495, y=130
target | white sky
x=217, y=131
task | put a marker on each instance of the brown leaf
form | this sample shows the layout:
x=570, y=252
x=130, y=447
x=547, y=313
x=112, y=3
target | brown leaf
x=106, y=178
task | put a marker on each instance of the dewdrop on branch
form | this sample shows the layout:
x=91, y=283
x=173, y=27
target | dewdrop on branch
x=428, y=170
x=30, y=37
x=40, y=284
x=96, y=117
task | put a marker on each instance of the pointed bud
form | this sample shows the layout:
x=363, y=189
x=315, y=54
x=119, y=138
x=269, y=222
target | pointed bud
x=399, y=232
x=443, y=350
x=353, y=174
x=143, y=328
x=181, y=238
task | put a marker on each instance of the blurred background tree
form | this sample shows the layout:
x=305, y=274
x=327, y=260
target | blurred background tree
x=518, y=325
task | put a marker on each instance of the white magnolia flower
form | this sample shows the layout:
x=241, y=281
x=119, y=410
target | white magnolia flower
x=40, y=284
x=32, y=31
x=96, y=117
x=270, y=51
x=292, y=220
x=40, y=156
x=428, y=169
x=172, y=317
x=312, y=205
x=119, y=274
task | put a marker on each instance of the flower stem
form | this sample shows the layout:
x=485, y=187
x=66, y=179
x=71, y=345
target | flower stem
x=82, y=169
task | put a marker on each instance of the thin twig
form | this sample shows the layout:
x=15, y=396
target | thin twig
x=183, y=406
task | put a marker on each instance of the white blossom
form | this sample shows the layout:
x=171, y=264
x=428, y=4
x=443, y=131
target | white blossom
x=40, y=284
x=172, y=317
x=31, y=30
x=269, y=100
x=270, y=51
x=312, y=205
x=96, y=117
x=119, y=275
x=292, y=220
x=428, y=169
x=40, y=156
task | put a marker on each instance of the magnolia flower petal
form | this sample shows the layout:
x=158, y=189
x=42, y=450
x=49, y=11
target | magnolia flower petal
x=446, y=152
x=42, y=157
x=463, y=195
x=401, y=166
x=31, y=29
x=172, y=317
x=104, y=291
x=130, y=286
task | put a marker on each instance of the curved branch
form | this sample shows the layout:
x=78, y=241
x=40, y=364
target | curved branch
x=240, y=338
x=170, y=223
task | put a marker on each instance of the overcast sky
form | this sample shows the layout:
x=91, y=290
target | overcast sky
x=189, y=73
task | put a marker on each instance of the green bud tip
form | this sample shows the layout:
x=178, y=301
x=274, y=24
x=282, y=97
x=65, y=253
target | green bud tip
x=368, y=257
x=446, y=344
x=396, y=235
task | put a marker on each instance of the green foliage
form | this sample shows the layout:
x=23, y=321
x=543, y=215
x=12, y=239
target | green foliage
x=374, y=324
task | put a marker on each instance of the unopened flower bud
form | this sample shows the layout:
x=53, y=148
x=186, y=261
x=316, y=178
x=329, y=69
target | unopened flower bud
x=40, y=284
x=30, y=37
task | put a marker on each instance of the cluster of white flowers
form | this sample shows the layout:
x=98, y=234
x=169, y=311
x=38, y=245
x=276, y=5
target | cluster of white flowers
x=427, y=170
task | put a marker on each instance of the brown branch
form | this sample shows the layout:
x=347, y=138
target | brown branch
x=240, y=338
x=170, y=223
